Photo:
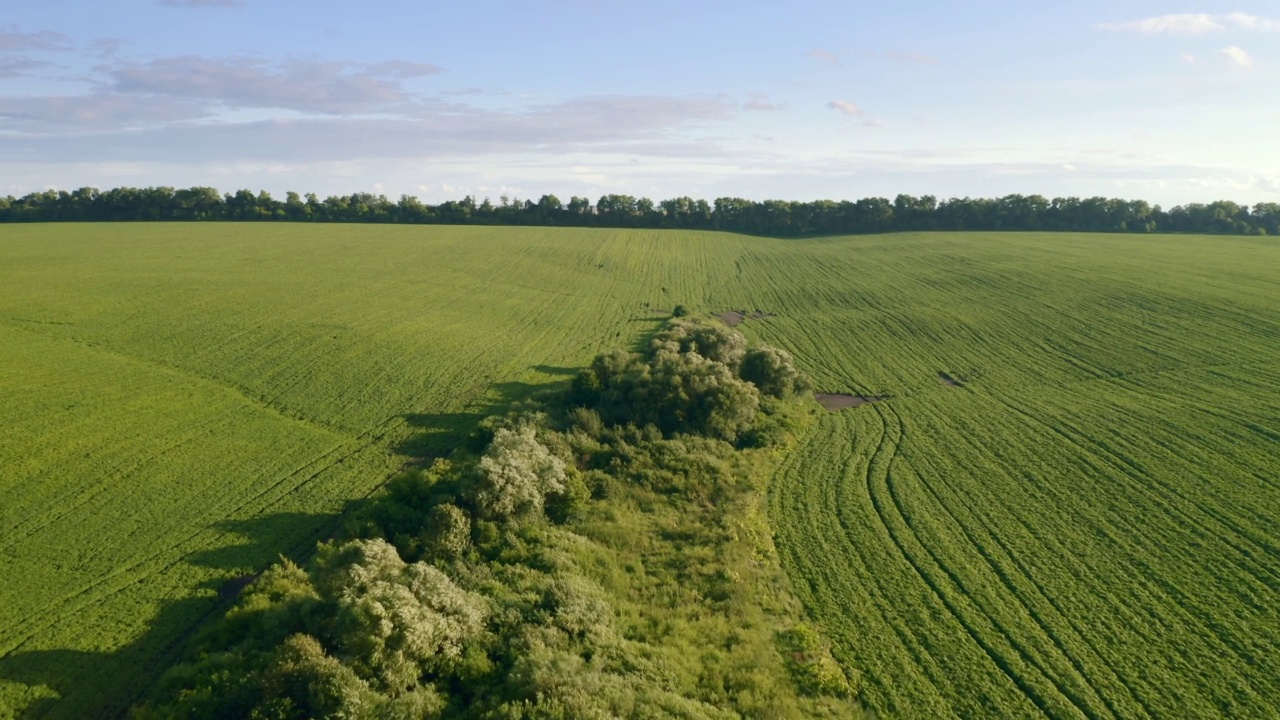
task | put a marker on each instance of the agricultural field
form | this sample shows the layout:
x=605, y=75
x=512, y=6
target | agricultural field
x=1068, y=506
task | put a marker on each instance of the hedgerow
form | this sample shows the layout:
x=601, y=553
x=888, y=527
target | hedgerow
x=603, y=554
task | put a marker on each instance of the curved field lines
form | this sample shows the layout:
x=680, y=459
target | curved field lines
x=1088, y=528
x=1082, y=524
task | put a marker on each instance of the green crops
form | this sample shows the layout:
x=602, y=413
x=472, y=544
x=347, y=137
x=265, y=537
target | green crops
x=1087, y=528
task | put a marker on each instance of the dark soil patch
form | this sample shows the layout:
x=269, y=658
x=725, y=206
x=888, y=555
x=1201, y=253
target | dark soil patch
x=949, y=381
x=840, y=401
x=732, y=317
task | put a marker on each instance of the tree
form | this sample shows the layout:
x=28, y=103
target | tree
x=516, y=474
x=447, y=533
x=773, y=371
x=394, y=621
x=303, y=681
x=713, y=341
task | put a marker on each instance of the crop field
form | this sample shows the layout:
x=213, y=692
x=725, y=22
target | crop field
x=1083, y=522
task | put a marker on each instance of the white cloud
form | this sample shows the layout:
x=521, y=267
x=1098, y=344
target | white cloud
x=1182, y=24
x=114, y=127
x=20, y=66
x=1192, y=24
x=761, y=102
x=48, y=41
x=824, y=56
x=1237, y=56
x=1253, y=22
x=47, y=115
x=306, y=86
x=846, y=107
x=1189, y=58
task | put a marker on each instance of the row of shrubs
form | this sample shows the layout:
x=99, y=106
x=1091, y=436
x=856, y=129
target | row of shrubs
x=598, y=553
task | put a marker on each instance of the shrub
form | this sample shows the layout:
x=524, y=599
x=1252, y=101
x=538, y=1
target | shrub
x=568, y=503
x=393, y=621
x=447, y=533
x=516, y=474
x=773, y=371
x=586, y=421
x=711, y=341
x=304, y=682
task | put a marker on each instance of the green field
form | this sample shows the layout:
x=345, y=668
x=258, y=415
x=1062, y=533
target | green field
x=1090, y=527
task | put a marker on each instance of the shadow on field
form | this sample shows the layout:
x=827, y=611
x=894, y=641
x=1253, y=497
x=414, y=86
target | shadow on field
x=437, y=434
x=90, y=684
x=565, y=372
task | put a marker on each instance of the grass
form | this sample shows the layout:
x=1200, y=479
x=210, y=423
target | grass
x=1086, y=529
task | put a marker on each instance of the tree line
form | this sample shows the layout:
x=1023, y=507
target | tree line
x=770, y=217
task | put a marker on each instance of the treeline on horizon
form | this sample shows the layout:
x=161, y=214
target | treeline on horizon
x=770, y=217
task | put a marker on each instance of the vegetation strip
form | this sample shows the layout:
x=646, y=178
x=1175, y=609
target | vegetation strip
x=454, y=596
x=778, y=218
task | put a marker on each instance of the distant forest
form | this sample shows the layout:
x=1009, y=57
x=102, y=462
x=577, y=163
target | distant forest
x=771, y=217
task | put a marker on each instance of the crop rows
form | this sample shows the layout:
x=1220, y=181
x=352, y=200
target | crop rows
x=184, y=403
x=1087, y=528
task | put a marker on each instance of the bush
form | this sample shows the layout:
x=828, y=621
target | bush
x=305, y=682
x=516, y=474
x=447, y=533
x=711, y=341
x=567, y=504
x=773, y=371
x=678, y=392
x=393, y=621
x=586, y=421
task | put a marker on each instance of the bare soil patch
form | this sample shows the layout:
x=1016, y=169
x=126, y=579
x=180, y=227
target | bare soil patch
x=732, y=318
x=735, y=317
x=841, y=401
x=949, y=381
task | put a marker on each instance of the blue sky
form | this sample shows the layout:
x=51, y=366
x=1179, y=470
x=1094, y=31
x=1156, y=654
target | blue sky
x=1167, y=101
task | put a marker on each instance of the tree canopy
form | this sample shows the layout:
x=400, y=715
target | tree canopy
x=770, y=217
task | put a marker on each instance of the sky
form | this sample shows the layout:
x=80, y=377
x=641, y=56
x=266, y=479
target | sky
x=1168, y=101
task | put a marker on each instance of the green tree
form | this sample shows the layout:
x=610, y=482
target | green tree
x=516, y=474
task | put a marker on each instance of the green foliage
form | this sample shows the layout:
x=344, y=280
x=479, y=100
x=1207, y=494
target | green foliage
x=771, y=217
x=773, y=371
x=567, y=504
x=685, y=383
x=544, y=620
x=809, y=657
x=515, y=476
x=712, y=341
x=447, y=532
x=394, y=621
x=586, y=420
x=302, y=681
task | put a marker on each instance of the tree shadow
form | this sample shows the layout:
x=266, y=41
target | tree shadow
x=437, y=434
x=556, y=371
x=71, y=684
